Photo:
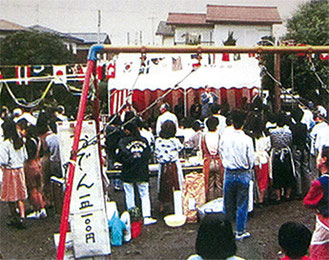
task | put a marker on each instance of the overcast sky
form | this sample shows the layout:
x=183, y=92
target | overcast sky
x=118, y=17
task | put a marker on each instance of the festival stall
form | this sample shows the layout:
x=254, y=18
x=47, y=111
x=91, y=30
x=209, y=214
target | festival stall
x=142, y=79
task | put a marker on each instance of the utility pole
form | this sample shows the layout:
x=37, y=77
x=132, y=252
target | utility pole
x=128, y=38
x=140, y=38
x=152, y=18
x=99, y=27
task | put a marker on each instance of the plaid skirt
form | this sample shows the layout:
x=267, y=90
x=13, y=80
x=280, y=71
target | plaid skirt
x=13, y=185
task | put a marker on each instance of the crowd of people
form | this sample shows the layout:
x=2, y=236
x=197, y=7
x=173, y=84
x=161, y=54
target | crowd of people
x=29, y=157
x=277, y=151
x=281, y=152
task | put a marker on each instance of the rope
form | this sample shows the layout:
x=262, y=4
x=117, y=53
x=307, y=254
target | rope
x=30, y=104
x=312, y=68
x=264, y=69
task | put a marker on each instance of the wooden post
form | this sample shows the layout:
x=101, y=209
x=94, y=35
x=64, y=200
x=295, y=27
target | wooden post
x=277, y=88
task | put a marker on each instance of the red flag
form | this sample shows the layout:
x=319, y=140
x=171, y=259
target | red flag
x=324, y=56
x=301, y=54
x=110, y=70
x=22, y=74
x=226, y=57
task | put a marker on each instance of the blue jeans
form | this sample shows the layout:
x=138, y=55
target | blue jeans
x=236, y=195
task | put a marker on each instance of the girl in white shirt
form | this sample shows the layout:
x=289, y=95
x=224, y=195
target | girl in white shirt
x=12, y=157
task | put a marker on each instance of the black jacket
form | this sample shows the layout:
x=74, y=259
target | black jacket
x=134, y=154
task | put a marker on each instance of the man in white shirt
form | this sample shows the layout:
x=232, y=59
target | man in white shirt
x=165, y=115
x=238, y=156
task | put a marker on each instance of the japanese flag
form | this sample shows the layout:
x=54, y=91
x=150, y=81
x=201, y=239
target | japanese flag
x=324, y=56
x=59, y=73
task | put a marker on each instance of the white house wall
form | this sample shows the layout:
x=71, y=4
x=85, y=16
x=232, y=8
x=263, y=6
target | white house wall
x=246, y=35
x=206, y=33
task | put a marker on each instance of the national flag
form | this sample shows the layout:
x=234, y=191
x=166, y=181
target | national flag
x=236, y=56
x=37, y=69
x=127, y=66
x=226, y=57
x=145, y=67
x=177, y=63
x=22, y=74
x=110, y=70
x=59, y=73
x=324, y=56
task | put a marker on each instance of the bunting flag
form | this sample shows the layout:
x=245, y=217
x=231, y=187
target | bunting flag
x=324, y=56
x=177, y=64
x=110, y=70
x=59, y=72
x=252, y=55
x=22, y=74
x=36, y=70
x=226, y=57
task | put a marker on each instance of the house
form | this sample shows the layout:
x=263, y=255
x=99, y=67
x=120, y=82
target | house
x=89, y=39
x=70, y=42
x=166, y=32
x=78, y=43
x=191, y=28
x=7, y=28
x=247, y=23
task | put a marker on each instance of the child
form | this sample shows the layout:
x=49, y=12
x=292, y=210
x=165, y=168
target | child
x=167, y=148
x=294, y=239
x=318, y=198
x=12, y=157
x=134, y=153
x=215, y=239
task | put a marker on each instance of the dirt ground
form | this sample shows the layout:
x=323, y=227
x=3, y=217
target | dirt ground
x=156, y=241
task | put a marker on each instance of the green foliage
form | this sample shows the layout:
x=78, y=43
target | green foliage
x=33, y=48
x=135, y=214
x=309, y=25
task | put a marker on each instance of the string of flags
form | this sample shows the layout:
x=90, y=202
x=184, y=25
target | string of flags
x=105, y=70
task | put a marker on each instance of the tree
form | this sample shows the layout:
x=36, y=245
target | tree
x=309, y=25
x=34, y=48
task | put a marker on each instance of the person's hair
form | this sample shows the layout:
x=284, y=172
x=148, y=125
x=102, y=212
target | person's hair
x=168, y=129
x=297, y=114
x=214, y=108
x=61, y=109
x=10, y=132
x=212, y=123
x=129, y=115
x=196, y=126
x=215, y=239
x=281, y=119
x=228, y=120
x=325, y=153
x=238, y=118
x=294, y=239
x=133, y=129
x=115, y=119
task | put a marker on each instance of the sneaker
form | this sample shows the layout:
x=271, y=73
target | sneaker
x=34, y=215
x=241, y=236
x=43, y=213
x=149, y=221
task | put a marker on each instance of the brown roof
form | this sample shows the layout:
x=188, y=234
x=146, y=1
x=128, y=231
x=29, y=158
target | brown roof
x=9, y=26
x=187, y=19
x=242, y=14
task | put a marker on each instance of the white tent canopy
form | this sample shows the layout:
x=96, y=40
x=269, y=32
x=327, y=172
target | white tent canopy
x=164, y=71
